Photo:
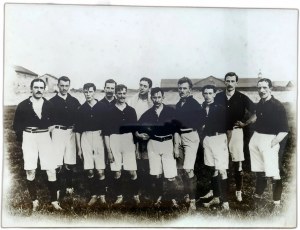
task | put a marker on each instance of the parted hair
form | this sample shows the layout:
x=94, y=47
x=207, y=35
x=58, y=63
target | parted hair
x=120, y=87
x=209, y=87
x=89, y=85
x=37, y=80
x=184, y=80
x=231, y=74
x=156, y=90
x=64, y=78
x=110, y=81
x=147, y=80
x=266, y=80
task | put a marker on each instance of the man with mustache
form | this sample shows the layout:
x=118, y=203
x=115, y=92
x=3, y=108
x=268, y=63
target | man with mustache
x=63, y=137
x=109, y=89
x=33, y=122
x=271, y=127
x=158, y=123
x=190, y=118
x=237, y=106
x=90, y=147
x=118, y=136
x=141, y=102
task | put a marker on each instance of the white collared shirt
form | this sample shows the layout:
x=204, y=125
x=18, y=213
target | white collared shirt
x=37, y=106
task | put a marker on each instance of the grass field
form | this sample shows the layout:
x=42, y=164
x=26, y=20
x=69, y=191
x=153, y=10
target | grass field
x=16, y=205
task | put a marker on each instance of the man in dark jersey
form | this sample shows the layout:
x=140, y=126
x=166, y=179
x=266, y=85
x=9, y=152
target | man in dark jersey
x=33, y=123
x=190, y=117
x=63, y=137
x=90, y=146
x=237, y=106
x=118, y=135
x=271, y=127
x=158, y=123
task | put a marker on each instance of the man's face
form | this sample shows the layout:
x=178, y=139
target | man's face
x=157, y=99
x=121, y=96
x=63, y=87
x=264, y=90
x=144, y=88
x=230, y=83
x=109, y=89
x=184, y=90
x=38, y=89
x=209, y=95
x=89, y=94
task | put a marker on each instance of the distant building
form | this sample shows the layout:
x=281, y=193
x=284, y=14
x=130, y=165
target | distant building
x=51, y=82
x=23, y=79
x=244, y=84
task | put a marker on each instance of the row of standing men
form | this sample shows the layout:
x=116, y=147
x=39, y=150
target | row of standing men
x=144, y=133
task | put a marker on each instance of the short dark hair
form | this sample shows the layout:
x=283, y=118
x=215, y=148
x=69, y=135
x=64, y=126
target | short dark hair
x=156, y=90
x=231, y=74
x=184, y=80
x=266, y=80
x=120, y=87
x=110, y=81
x=147, y=80
x=64, y=78
x=209, y=87
x=89, y=85
x=37, y=80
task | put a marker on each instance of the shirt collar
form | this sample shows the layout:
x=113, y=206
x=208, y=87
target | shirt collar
x=63, y=97
x=229, y=94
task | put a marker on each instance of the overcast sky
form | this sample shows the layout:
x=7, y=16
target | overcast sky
x=94, y=43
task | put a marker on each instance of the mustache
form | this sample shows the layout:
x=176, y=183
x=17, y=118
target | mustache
x=38, y=92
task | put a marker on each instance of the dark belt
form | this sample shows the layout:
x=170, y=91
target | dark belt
x=186, y=131
x=63, y=127
x=214, y=134
x=161, y=139
x=35, y=130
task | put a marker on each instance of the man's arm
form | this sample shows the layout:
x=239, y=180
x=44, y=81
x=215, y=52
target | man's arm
x=279, y=137
x=108, y=149
x=251, y=120
x=78, y=144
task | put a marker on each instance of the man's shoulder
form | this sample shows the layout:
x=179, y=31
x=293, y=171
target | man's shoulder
x=72, y=98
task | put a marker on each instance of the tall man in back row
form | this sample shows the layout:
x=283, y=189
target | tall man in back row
x=190, y=117
x=237, y=105
x=141, y=102
x=271, y=127
x=65, y=107
x=33, y=123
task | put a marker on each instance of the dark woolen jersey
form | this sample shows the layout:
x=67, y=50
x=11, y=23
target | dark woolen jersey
x=90, y=118
x=161, y=125
x=65, y=110
x=236, y=107
x=271, y=117
x=215, y=119
x=108, y=104
x=26, y=117
x=120, y=121
x=190, y=115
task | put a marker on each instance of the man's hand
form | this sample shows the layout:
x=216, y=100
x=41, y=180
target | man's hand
x=137, y=153
x=142, y=136
x=110, y=156
x=274, y=142
x=239, y=124
x=51, y=128
x=176, y=152
x=79, y=153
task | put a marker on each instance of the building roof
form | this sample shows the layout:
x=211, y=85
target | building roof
x=219, y=82
x=21, y=69
x=49, y=75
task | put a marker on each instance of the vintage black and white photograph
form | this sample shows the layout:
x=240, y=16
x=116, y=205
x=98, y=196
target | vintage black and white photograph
x=149, y=116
